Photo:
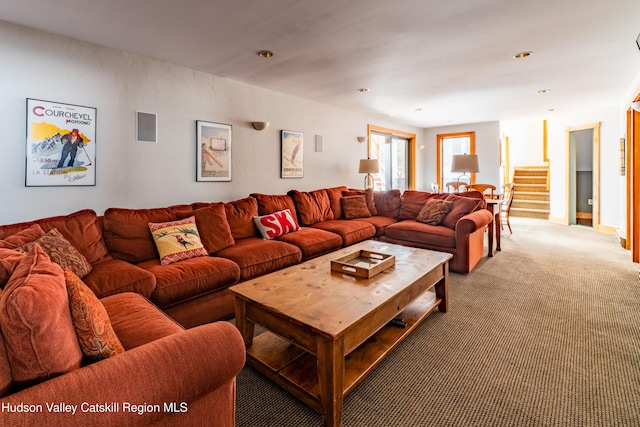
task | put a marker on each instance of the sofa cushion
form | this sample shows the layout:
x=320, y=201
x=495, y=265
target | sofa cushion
x=90, y=320
x=434, y=211
x=9, y=260
x=324, y=204
x=215, y=232
x=190, y=278
x=380, y=223
x=36, y=322
x=312, y=207
x=313, y=241
x=355, y=207
x=177, y=240
x=462, y=206
x=352, y=231
x=413, y=231
x=136, y=321
x=388, y=203
x=79, y=228
x=335, y=194
x=240, y=215
x=276, y=224
x=368, y=195
x=257, y=256
x=270, y=203
x=61, y=252
x=412, y=202
x=22, y=237
x=114, y=276
x=5, y=368
x=127, y=234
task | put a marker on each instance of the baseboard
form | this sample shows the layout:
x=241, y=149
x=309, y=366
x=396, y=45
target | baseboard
x=622, y=237
x=606, y=229
x=558, y=220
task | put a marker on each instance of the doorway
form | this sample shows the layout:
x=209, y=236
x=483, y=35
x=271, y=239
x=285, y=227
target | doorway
x=583, y=175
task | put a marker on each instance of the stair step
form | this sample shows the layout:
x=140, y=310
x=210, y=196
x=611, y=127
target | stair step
x=529, y=213
x=531, y=195
x=530, y=204
x=535, y=188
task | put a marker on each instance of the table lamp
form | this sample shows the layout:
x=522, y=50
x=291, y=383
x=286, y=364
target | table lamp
x=369, y=166
x=465, y=163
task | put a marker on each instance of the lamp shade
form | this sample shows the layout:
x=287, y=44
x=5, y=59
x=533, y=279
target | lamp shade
x=369, y=166
x=465, y=163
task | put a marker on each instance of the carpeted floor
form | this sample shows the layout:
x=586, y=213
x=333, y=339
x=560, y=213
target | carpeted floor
x=546, y=333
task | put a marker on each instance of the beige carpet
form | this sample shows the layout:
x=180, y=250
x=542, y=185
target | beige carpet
x=546, y=333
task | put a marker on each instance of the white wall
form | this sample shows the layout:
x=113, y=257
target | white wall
x=487, y=149
x=138, y=175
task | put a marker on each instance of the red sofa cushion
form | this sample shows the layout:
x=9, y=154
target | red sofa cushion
x=270, y=203
x=215, y=232
x=413, y=231
x=412, y=202
x=388, y=203
x=335, y=194
x=240, y=215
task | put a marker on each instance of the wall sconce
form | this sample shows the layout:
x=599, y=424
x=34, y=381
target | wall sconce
x=369, y=166
x=465, y=163
x=362, y=139
x=260, y=125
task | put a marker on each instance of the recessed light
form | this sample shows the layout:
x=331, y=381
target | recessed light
x=363, y=90
x=544, y=91
x=265, y=54
x=522, y=55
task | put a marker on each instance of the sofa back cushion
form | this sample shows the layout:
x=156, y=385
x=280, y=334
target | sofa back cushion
x=240, y=215
x=79, y=228
x=388, y=203
x=335, y=194
x=36, y=321
x=412, y=202
x=22, y=237
x=9, y=260
x=5, y=369
x=312, y=206
x=215, y=232
x=462, y=205
x=127, y=234
x=270, y=203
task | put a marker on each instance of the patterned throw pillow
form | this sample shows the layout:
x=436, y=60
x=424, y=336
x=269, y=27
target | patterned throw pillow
x=61, y=252
x=355, y=207
x=96, y=336
x=177, y=240
x=276, y=224
x=434, y=211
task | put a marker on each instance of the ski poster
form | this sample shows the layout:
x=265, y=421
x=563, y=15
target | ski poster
x=61, y=144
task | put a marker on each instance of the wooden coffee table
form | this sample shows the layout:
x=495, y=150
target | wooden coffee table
x=326, y=331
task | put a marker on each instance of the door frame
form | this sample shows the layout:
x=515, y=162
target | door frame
x=596, y=172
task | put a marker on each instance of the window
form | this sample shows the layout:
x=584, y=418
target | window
x=450, y=144
x=395, y=151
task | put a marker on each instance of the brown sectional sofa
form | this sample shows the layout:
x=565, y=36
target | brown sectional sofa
x=127, y=276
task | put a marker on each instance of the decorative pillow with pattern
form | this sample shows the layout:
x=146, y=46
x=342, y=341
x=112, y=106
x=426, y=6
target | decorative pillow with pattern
x=61, y=252
x=177, y=240
x=355, y=207
x=96, y=336
x=276, y=224
x=434, y=211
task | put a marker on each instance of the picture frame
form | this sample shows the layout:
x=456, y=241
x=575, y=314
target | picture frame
x=213, y=148
x=291, y=154
x=60, y=144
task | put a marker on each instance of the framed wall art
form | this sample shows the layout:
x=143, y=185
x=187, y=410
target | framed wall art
x=61, y=144
x=213, y=151
x=292, y=154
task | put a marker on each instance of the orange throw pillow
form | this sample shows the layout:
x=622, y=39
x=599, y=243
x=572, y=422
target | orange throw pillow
x=355, y=207
x=36, y=322
x=93, y=328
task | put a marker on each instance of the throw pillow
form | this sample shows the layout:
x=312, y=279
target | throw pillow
x=61, y=252
x=461, y=207
x=276, y=224
x=36, y=322
x=355, y=207
x=177, y=240
x=434, y=211
x=91, y=322
x=22, y=237
x=368, y=196
x=215, y=232
x=9, y=260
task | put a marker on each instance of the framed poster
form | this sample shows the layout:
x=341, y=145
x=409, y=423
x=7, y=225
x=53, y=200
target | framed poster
x=61, y=144
x=292, y=154
x=213, y=151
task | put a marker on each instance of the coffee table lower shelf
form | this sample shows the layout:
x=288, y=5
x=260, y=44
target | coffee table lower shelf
x=296, y=370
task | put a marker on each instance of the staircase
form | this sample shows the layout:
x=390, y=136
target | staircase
x=530, y=196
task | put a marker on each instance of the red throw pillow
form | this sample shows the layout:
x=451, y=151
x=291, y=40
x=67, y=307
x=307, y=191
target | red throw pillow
x=276, y=224
x=9, y=260
x=461, y=207
x=355, y=207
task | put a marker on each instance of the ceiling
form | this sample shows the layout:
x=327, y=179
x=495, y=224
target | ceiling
x=425, y=62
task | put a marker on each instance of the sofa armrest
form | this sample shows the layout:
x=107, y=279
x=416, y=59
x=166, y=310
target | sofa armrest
x=175, y=370
x=472, y=222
